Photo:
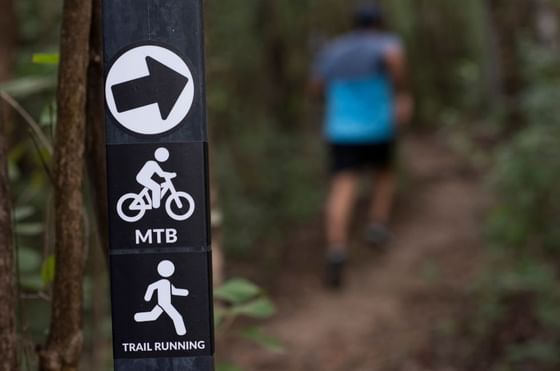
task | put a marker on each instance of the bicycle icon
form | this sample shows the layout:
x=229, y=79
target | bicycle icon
x=179, y=206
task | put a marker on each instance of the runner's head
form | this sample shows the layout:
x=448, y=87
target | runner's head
x=368, y=15
x=166, y=268
x=161, y=154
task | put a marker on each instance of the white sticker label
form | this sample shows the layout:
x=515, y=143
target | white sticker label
x=149, y=90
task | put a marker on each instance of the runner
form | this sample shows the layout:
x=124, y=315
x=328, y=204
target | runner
x=164, y=290
x=362, y=77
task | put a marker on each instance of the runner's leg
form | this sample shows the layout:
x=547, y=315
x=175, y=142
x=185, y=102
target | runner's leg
x=176, y=318
x=149, y=316
x=339, y=208
x=383, y=196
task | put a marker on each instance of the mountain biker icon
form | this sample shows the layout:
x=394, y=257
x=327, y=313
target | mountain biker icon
x=179, y=206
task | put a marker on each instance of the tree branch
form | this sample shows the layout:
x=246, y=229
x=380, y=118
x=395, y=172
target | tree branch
x=8, y=294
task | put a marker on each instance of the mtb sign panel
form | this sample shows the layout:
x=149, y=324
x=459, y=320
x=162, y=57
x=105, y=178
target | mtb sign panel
x=157, y=167
x=179, y=206
x=153, y=200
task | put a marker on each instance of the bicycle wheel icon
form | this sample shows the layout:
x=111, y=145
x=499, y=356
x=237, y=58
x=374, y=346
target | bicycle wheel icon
x=180, y=206
x=131, y=207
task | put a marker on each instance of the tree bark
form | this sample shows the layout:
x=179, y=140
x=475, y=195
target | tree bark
x=511, y=18
x=275, y=52
x=64, y=344
x=95, y=142
x=8, y=293
x=8, y=40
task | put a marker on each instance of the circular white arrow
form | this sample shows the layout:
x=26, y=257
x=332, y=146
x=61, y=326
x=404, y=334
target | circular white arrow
x=149, y=90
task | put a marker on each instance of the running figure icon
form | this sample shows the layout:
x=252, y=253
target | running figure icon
x=165, y=290
x=180, y=206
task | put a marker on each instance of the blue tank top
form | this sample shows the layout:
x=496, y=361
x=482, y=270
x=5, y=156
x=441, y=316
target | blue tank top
x=359, y=92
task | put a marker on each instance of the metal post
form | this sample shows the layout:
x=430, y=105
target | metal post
x=160, y=255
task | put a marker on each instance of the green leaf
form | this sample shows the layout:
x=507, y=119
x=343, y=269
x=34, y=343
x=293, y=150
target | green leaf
x=44, y=58
x=47, y=270
x=260, y=308
x=219, y=315
x=237, y=291
x=29, y=260
x=257, y=336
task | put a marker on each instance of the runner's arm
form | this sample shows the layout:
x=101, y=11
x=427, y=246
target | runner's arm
x=179, y=292
x=316, y=85
x=395, y=60
x=150, y=292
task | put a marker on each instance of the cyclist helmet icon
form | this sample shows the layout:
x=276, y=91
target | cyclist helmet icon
x=179, y=205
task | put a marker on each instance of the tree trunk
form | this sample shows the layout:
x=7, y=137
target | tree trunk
x=97, y=173
x=490, y=59
x=8, y=293
x=275, y=53
x=98, y=346
x=8, y=39
x=64, y=344
x=95, y=142
x=511, y=18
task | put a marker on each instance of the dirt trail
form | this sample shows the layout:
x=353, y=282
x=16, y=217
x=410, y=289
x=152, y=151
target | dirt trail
x=395, y=302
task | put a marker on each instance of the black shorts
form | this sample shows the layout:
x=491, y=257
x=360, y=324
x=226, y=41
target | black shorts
x=346, y=157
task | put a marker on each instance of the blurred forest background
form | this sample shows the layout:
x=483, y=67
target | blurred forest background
x=485, y=75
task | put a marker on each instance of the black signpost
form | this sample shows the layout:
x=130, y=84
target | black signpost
x=160, y=253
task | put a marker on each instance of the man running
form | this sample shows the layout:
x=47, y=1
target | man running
x=362, y=77
x=164, y=290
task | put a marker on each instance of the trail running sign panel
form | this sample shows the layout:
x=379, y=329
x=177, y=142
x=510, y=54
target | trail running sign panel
x=157, y=167
x=160, y=303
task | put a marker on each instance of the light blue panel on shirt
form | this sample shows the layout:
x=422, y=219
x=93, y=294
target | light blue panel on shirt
x=358, y=87
x=359, y=110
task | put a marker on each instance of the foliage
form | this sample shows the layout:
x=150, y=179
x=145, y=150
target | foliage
x=239, y=298
x=257, y=101
x=515, y=325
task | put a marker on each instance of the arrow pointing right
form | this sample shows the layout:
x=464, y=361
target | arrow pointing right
x=163, y=86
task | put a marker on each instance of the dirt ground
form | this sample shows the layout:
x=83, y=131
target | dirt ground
x=394, y=302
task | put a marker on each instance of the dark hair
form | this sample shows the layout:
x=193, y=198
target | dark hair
x=368, y=15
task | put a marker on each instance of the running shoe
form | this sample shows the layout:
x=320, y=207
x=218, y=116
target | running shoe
x=378, y=235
